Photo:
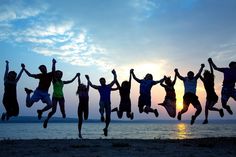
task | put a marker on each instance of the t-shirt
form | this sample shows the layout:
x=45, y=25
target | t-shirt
x=105, y=93
x=58, y=89
x=229, y=77
x=145, y=87
x=44, y=81
x=190, y=85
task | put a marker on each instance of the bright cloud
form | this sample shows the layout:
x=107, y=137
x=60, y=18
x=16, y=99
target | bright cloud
x=48, y=37
x=15, y=10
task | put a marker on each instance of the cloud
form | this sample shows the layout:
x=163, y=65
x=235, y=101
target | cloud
x=144, y=9
x=15, y=10
x=61, y=39
x=225, y=52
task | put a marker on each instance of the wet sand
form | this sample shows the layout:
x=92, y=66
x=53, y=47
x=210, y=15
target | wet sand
x=206, y=147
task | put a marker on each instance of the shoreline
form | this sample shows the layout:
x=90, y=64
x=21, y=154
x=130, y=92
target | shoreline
x=220, y=146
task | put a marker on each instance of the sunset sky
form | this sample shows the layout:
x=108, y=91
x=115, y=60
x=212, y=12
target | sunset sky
x=95, y=36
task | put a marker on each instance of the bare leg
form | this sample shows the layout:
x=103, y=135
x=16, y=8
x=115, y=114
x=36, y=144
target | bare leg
x=225, y=106
x=80, y=123
x=119, y=114
x=185, y=109
x=108, y=120
x=62, y=108
x=50, y=114
x=198, y=111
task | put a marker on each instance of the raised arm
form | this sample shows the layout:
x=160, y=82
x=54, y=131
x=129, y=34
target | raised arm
x=87, y=85
x=67, y=82
x=130, y=77
x=178, y=75
x=162, y=83
x=90, y=84
x=214, y=66
x=200, y=71
x=115, y=78
x=29, y=74
x=6, y=70
x=211, y=68
x=79, y=81
x=136, y=79
x=174, y=81
x=19, y=75
x=54, y=65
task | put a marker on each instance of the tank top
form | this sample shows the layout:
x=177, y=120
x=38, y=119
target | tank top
x=57, y=89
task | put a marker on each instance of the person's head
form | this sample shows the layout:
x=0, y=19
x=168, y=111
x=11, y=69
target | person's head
x=168, y=81
x=207, y=74
x=190, y=75
x=148, y=77
x=11, y=75
x=232, y=65
x=125, y=84
x=102, y=81
x=43, y=69
x=58, y=74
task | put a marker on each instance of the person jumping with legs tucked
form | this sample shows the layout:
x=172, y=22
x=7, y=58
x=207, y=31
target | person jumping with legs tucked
x=41, y=92
x=170, y=98
x=105, y=100
x=212, y=98
x=125, y=102
x=144, y=101
x=190, y=86
x=228, y=89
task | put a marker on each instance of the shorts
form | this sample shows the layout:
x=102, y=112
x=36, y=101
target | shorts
x=226, y=93
x=105, y=106
x=60, y=100
x=41, y=95
x=144, y=100
x=212, y=98
x=125, y=105
x=191, y=98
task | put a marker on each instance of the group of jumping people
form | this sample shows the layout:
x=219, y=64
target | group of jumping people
x=144, y=101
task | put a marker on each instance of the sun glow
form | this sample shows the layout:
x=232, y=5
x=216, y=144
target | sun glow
x=179, y=105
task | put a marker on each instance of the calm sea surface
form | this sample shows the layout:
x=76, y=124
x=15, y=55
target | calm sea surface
x=121, y=130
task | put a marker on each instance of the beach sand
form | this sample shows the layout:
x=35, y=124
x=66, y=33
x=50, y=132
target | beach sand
x=207, y=147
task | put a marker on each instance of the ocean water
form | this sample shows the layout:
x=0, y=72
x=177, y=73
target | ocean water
x=117, y=130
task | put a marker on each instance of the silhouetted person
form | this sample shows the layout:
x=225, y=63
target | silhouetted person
x=105, y=99
x=190, y=86
x=228, y=89
x=125, y=102
x=144, y=101
x=10, y=93
x=41, y=92
x=170, y=98
x=83, y=108
x=212, y=98
x=58, y=95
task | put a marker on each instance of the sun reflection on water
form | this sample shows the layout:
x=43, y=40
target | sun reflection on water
x=181, y=131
